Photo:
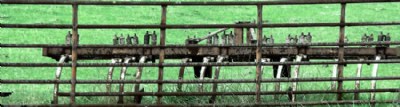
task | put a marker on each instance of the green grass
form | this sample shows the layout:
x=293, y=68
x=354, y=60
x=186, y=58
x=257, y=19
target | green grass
x=42, y=94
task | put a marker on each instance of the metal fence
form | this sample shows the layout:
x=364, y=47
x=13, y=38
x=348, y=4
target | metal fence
x=257, y=51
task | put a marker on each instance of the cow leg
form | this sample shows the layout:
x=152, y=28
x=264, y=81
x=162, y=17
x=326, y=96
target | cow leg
x=334, y=75
x=138, y=77
x=296, y=75
x=122, y=77
x=58, y=76
x=357, y=83
x=181, y=74
x=278, y=76
x=262, y=67
x=110, y=74
x=202, y=72
x=374, y=74
x=215, y=85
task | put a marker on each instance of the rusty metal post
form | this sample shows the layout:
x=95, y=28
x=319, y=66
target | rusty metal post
x=75, y=42
x=216, y=76
x=181, y=74
x=357, y=83
x=341, y=49
x=162, y=51
x=122, y=77
x=58, y=75
x=258, y=53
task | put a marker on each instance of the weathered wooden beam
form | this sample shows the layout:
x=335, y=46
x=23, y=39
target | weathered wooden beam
x=240, y=53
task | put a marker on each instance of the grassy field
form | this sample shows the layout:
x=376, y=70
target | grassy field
x=42, y=94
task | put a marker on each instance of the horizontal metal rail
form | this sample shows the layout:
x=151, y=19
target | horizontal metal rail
x=226, y=93
x=194, y=81
x=196, y=26
x=200, y=45
x=343, y=102
x=284, y=2
x=189, y=64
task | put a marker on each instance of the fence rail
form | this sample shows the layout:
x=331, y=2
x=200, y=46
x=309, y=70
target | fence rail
x=287, y=2
x=197, y=26
x=196, y=46
x=190, y=64
x=195, y=81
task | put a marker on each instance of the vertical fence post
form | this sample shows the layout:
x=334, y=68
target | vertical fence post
x=341, y=49
x=162, y=52
x=258, y=53
x=75, y=41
